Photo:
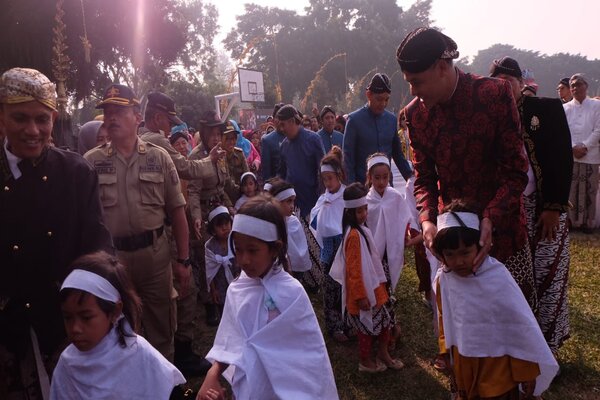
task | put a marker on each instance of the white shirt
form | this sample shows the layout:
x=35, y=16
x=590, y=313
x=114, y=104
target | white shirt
x=584, y=124
x=12, y=162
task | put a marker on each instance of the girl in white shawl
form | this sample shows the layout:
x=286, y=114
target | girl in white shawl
x=297, y=253
x=357, y=267
x=390, y=219
x=220, y=264
x=326, y=219
x=106, y=359
x=269, y=344
x=487, y=331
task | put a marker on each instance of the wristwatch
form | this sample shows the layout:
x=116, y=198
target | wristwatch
x=185, y=261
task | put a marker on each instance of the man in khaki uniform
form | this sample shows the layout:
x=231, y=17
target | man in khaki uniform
x=139, y=188
x=236, y=162
x=206, y=194
x=159, y=117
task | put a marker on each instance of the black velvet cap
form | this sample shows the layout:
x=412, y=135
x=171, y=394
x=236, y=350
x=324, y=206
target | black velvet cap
x=506, y=65
x=421, y=48
x=380, y=83
x=288, y=112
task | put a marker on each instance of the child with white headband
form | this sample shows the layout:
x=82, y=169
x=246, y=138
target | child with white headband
x=326, y=219
x=297, y=245
x=357, y=267
x=248, y=188
x=269, y=344
x=221, y=268
x=488, y=332
x=106, y=358
x=389, y=220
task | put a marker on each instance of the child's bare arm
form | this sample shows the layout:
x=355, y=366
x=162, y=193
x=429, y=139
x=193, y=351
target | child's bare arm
x=211, y=388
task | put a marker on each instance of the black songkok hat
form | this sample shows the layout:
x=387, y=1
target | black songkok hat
x=380, y=83
x=276, y=108
x=506, y=65
x=288, y=112
x=325, y=110
x=423, y=47
x=564, y=81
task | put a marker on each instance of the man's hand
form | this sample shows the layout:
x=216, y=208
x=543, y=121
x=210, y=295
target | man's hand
x=548, y=222
x=183, y=275
x=485, y=241
x=429, y=232
x=198, y=228
x=216, y=153
x=579, y=150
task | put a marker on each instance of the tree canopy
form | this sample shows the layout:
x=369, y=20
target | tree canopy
x=132, y=41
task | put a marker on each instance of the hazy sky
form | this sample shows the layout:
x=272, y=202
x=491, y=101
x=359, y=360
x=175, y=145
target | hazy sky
x=548, y=26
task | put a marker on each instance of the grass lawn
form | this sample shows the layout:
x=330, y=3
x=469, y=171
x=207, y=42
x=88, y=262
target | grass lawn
x=579, y=357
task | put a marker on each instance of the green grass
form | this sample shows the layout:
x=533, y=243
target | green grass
x=579, y=357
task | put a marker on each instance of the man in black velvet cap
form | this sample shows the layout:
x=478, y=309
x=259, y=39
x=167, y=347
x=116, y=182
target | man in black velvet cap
x=465, y=134
x=372, y=129
x=546, y=198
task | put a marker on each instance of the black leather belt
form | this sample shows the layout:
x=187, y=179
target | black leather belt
x=136, y=242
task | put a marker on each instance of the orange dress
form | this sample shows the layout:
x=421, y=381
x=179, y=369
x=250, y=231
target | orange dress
x=355, y=288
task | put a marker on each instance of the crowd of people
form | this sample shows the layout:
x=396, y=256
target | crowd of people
x=108, y=251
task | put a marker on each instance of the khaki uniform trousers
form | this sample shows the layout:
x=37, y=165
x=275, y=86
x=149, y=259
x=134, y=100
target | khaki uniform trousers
x=152, y=276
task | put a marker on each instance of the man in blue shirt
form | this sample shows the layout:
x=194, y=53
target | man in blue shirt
x=269, y=148
x=329, y=136
x=372, y=129
x=301, y=154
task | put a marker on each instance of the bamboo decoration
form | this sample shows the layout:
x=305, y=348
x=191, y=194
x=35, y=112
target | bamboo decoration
x=60, y=59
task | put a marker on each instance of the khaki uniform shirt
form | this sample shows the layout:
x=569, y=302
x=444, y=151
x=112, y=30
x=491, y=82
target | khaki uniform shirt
x=205, y=194
x=237, y=165
x=136, y=193
x=186, y=168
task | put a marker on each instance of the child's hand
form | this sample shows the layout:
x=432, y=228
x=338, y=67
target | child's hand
x=411, y=241
x=364, y=304
x=211, y=389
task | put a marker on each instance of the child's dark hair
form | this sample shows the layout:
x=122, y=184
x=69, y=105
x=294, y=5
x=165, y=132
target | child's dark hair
x=218, y=220
x=379, y=154
x=353, y=191
x=451, y=238
x=109, y=268
x=278, y=185
x=246, y=177
x=265, y=207
x=335, y=159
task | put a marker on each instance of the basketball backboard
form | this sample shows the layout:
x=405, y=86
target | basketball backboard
x=252, y=87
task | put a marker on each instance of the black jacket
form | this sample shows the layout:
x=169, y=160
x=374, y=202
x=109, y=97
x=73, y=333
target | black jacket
x=48, y=217
x=548, y=143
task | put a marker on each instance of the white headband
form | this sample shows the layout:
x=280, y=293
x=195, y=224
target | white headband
x=447, y=220
x=327, y=168
x=285, y=194
x=217, y=211
x=245, y=174
x=377, y=160
x=255, y=227
x=267, y=187
x=91, y=283
x=355, y=203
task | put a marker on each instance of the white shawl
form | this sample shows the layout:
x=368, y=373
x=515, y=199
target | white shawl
x=283, y=359
x=388, y=219
x=109, y=371
x=297, y=245
x=328, y=211
x=240, y=202
x=486, y=315
x=214, y=262
x=372, y=272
